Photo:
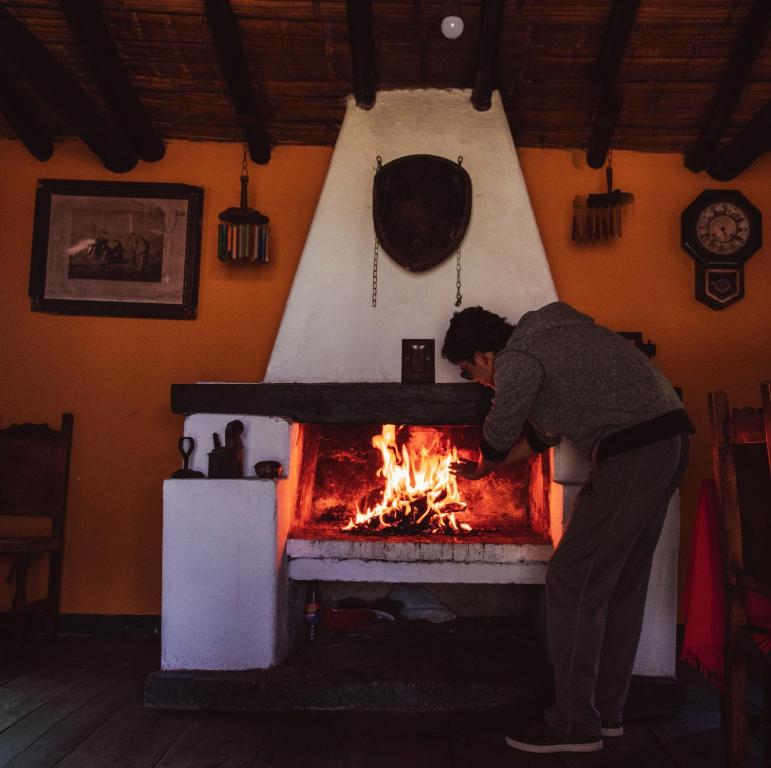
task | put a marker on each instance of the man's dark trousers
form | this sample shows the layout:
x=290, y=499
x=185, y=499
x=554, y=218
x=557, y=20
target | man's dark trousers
x=597, y=579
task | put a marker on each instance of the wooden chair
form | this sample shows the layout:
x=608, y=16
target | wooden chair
x=741, y=452
x=34, y=468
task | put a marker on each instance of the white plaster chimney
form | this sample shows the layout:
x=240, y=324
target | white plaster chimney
x=330, y=331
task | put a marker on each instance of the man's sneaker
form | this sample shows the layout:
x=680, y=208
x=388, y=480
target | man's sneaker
x=542, y=738
x=612, y=728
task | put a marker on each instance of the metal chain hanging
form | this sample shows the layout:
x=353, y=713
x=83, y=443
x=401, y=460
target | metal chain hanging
x=374, y=274
x=458, y=294
x=377, y=248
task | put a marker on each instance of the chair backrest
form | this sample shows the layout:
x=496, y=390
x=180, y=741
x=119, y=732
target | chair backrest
x=741, y=454
x=34, y=469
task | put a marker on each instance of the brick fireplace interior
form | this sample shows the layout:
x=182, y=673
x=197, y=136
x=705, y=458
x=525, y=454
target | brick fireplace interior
x=341, y=469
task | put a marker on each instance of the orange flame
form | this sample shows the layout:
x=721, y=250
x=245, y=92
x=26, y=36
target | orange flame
x=420, y=494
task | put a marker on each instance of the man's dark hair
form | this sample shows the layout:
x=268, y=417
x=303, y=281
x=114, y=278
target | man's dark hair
x=474, y=330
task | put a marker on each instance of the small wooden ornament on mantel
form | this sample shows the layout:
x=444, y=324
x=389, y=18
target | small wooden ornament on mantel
x=598, y=216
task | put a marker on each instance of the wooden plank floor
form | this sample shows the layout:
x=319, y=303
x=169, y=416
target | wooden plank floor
x=77, y=703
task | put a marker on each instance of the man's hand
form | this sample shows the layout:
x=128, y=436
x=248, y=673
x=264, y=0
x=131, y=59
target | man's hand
x=468, y=469
x=473, y=470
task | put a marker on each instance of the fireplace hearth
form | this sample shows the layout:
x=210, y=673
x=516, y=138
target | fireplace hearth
x=482, y=664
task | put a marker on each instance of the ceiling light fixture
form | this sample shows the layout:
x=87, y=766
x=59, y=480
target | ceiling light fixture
x=452, y=23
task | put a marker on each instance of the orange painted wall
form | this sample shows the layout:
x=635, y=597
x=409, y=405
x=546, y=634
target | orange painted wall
x=645, y=282
x=114, y=374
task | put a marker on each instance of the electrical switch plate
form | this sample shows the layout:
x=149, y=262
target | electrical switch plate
x=418, y=361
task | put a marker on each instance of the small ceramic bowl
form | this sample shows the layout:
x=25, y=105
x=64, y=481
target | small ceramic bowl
x=267, y=470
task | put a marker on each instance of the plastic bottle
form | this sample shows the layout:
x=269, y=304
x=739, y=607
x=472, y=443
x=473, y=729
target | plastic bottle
x=312, y=612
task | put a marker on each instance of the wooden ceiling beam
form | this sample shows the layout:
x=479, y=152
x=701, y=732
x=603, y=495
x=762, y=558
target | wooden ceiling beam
x=93, y=36
x=746, y=49
x=361, y=38
x=60, y=89
x=491, y=24
x=744, y=149
x=26, y=121
x=227, y=40
x=603, y=127
x=612, y=49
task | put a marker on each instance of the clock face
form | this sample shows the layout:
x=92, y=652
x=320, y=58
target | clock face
x=723, y=228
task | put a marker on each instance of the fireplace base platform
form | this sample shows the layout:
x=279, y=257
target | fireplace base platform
x=436, y=559
x=467, y=664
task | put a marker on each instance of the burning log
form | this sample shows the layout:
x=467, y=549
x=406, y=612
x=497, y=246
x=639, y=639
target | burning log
x=420, y=494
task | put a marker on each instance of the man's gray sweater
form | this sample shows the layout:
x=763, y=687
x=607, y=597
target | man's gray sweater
x=569, y=377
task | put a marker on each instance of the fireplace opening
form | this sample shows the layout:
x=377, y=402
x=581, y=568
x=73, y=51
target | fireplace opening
x=360, y=482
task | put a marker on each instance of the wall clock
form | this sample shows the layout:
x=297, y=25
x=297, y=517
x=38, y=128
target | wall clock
x=720, y=229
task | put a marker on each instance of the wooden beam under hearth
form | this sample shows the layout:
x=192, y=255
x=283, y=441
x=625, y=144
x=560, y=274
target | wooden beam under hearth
x=60, y=89
x=22, y=116
x=491, y=24
x=227, y=40
x=612, y=49
x=362, y=41
x=745, y=148
x=746, y=49
x=87, y=24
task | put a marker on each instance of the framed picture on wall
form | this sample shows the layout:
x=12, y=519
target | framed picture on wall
x=122, y=249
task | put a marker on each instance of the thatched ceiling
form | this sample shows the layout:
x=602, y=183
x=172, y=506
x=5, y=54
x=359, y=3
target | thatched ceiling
x=298, y=57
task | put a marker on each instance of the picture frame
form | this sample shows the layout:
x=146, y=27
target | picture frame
x=120, y=249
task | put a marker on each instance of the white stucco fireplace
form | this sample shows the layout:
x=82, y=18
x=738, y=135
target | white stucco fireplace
x=234, y=555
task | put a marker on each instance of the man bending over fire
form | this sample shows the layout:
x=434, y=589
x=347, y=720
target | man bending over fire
x=558, y=374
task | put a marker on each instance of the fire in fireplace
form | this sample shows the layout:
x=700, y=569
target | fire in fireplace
x=395, y=481
x=420, y=494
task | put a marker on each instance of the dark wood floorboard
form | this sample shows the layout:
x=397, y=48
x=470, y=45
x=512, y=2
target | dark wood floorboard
x=77, y=703
x=214, y=740
x=27, y=693
x=698, y=749
x=54, y=745
x=637, y=748
x=133, y=737
x=303, y=739
x=477, y=741
x=26, y=730
x=386, y=739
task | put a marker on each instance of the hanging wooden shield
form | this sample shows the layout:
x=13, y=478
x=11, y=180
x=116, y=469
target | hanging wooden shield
x=421, y=205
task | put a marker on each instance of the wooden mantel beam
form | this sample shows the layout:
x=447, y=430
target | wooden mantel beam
x=96, y=45
x=362, y=41
x=612, y=49
x=487, y=53
x=353, y=403
x=58, y=86
x=746, y=49
x=746, y=147
x=227, y=40
x=26, y=121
